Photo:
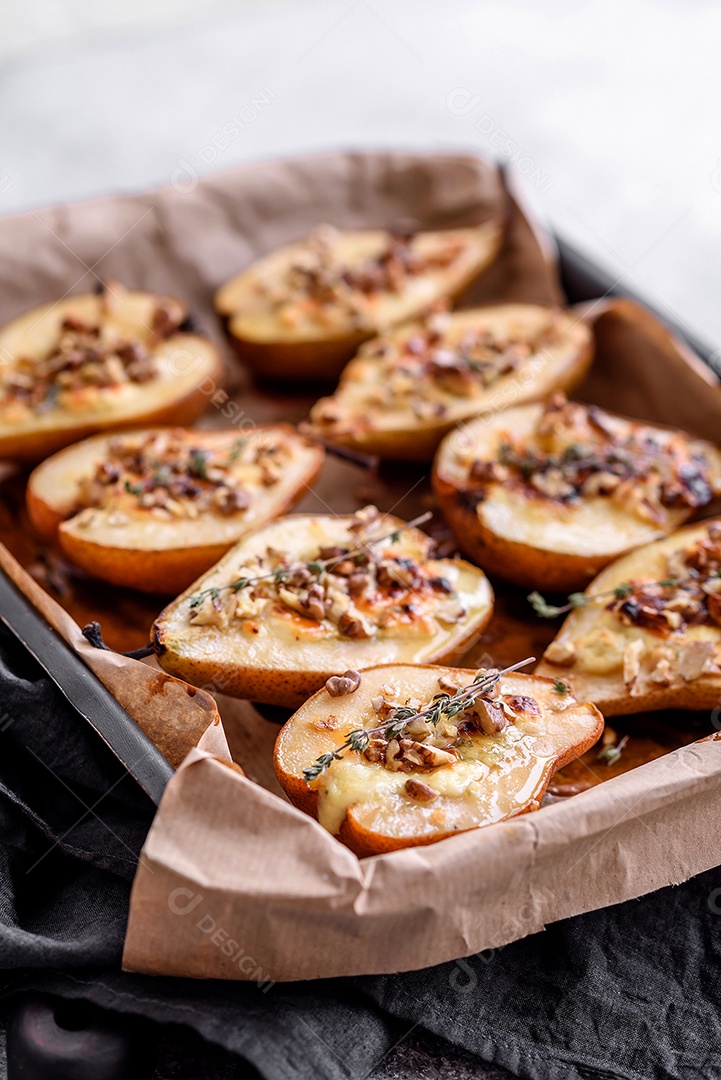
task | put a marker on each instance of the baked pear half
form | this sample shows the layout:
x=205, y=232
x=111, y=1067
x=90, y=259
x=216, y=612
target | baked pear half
x=410, y=755
x=307, y=595
x=646, y=634
x=153, y=509
x=405, y=390
x=95, y=361
x=550, y=494
x=302, y=311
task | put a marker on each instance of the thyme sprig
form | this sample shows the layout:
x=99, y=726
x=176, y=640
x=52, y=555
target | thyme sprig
x=612, y=754
x=443, y=707
x=578, y=599
x=315, y=566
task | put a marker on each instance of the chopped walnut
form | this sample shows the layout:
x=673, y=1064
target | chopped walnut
x=632, y=661
x=578, y=450
x=342, y=685
x=561, y=652
x=355, y=626
x=449, y=684
x=231, y=500
x=213, y=611
x=552, y=483
x=663, y=672
x=419, y=791
x=491, y=717
x=451, y=613
x=601, y=483
x=697, y=658
x=519, y=703
x=404, y=755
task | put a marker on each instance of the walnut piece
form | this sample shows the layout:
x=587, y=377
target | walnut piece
x=341, y=685
x=419, y=791
x=560, y=652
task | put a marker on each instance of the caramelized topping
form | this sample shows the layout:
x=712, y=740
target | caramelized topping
x=318, y=279
x=429, y=369
x=579, y=451
x=357, y=590
x=169, y=475
x=690, y=596
x=86, y=356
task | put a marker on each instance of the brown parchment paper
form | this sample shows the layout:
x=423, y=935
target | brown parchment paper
x=234, y=882
x=175, y=716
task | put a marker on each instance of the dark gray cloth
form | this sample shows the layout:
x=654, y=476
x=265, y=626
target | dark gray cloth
x=631, y=992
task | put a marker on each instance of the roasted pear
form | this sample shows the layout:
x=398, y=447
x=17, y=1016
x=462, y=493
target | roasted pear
x=647, y=632
x=153, y=509
x=433, y=756
x=295, y=601
x=95, y=361
x=302, y=311
x=405, y=390
x=550, y=494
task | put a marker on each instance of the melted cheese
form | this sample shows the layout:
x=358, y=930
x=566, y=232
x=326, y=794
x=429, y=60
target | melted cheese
x=494, y=777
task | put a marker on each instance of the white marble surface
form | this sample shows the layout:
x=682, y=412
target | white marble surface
x=612, y=107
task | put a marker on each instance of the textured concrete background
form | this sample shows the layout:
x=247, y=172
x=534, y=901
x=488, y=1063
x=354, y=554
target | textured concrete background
x=609, y=107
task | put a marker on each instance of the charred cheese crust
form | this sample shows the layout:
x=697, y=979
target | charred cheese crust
x=403, y=391
x=317, y=593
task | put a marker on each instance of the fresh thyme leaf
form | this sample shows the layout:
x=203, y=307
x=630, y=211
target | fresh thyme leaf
x=403, y=713
x=281, y=575
x=320, y=766
x=395, y=537
x=358, y=740
x=162, y=476
x=611, y=754
x=241, y=583
x=237, y=449
x=623, y=590
x=199, y=463
x=543, y=608
x=575, y=452
x=133, y=489
x=561, y=687
x=505, y=453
